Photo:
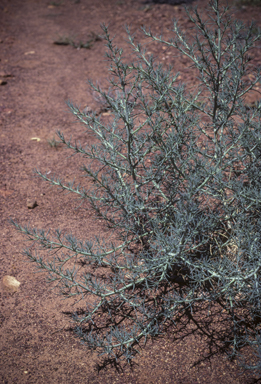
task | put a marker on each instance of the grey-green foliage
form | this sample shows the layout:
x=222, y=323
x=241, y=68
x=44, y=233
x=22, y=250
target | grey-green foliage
x=176, y=177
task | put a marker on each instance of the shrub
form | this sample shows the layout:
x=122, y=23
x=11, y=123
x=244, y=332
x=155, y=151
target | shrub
x=176, y=176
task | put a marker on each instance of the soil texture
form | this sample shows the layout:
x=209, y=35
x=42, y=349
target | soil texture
x=37, y=77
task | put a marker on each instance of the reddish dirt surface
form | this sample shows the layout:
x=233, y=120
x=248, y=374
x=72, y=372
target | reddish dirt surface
x=36, y=343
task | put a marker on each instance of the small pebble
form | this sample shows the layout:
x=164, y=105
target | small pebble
x=10, y=283
x=5, y=74
x=31, y=203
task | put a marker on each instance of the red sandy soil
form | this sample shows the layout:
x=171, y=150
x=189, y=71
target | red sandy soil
x=37, y=344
